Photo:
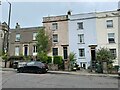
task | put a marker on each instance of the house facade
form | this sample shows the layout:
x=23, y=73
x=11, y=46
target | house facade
x=23, y=41
x=3, y=37
x=92, y=31
x=82, y=35
x=57, y=28
x=107, y=32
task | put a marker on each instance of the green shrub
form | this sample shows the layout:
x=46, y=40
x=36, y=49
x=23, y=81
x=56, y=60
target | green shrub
x=16, y=58
x=116, y=67
x=57, y=60
x=49, y=60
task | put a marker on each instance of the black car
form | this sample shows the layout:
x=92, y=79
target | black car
x=33, y=67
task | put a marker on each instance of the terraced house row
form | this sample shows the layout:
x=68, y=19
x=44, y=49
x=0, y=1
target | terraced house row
x=82, y=34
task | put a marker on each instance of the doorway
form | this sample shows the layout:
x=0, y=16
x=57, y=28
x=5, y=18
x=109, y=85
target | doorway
x=26, y=50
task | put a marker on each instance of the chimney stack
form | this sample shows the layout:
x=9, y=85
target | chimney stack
x=17, y=26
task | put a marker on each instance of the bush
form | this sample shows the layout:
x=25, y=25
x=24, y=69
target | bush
x=16, y=58
x=58, y=60
x=49, y=60
x=116, y=67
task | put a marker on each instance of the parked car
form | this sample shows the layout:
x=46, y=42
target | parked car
x=33, y=67
x=21, y=64
x=119, y=71
x=15, y=64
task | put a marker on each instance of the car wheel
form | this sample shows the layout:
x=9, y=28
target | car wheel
x=39, y=71
x=20, y=70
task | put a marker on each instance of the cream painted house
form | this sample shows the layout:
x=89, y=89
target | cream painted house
x=57, y=28
x=107, y=31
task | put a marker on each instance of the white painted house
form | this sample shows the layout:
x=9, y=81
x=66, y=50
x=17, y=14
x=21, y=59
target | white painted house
x=82, y=37
x=91, y=31
x=107, y=31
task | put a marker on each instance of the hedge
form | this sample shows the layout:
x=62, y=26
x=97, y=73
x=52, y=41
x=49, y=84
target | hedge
x=57, y=60
x=49, y=60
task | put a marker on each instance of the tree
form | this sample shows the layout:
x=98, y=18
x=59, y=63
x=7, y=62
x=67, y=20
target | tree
x=42, y=45
x=5, y=58
x=72, y=60
x=105, y=58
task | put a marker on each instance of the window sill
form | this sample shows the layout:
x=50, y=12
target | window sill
x=112, y=43
x=34, y=40
x=80, y=29
x=55, y=42
x=81, y=58
x=17, y=41
x=81, y=43
x=110, y=27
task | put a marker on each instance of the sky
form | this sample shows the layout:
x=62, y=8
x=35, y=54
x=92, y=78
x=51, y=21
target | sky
x=30, y=14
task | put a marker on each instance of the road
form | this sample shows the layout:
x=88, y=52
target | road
x=12, y=79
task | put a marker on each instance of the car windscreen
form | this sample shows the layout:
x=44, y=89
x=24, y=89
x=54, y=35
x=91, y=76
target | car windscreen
x=39, y=64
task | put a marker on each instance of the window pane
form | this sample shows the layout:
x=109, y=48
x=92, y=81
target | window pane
x=55, y=51
x=81, y=38
x=17, y=51
x=81, y=52
x=17, y=37
x=54, y=26
x=110, y=34
x=55, y=38
x=34, y=36
x=80, y=25
x=111, y=38
x=109, y=23
x=113, y=51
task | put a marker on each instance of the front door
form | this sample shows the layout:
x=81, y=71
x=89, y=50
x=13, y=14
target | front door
x=25, y=50
x=93, y=57
x=65, y=53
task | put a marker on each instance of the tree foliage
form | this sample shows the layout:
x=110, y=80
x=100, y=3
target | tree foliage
x=42, y=45
x=72, y=60
x=104, y=55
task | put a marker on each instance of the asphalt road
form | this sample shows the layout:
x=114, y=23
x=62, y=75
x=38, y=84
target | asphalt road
x=12, y=79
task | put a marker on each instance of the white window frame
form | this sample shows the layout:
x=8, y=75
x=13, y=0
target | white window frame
x=34, y=35
x=83, y=53
x=54, y=26
x=114, y=53
x=53, y=53
x=80, y=25
x=17, y=50
x=17, y=38
x=111, y=37
x=81, y=38
x=109, y=23
x=55, y=40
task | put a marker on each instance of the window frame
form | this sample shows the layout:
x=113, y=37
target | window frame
x=54, y=26
x=17, y=38
x=80, y=26
x=34, y=36
x=17, y=48
x=115, y=52
x=111, y=38
x=55, y=40
x=82, y=53
x=81, y=38
x=109, y=24
x=56, y=52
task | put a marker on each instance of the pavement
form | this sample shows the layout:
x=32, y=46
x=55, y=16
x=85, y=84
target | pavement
x=82, y=73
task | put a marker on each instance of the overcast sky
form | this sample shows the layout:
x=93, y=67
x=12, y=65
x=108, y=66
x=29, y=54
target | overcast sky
x=30, y=14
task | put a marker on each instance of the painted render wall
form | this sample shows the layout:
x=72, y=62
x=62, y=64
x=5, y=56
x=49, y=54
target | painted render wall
x=89, y=32
x=102, y=31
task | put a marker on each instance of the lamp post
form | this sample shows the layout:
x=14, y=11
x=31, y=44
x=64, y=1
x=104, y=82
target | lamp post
x=8, y=26
x=7, y=37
